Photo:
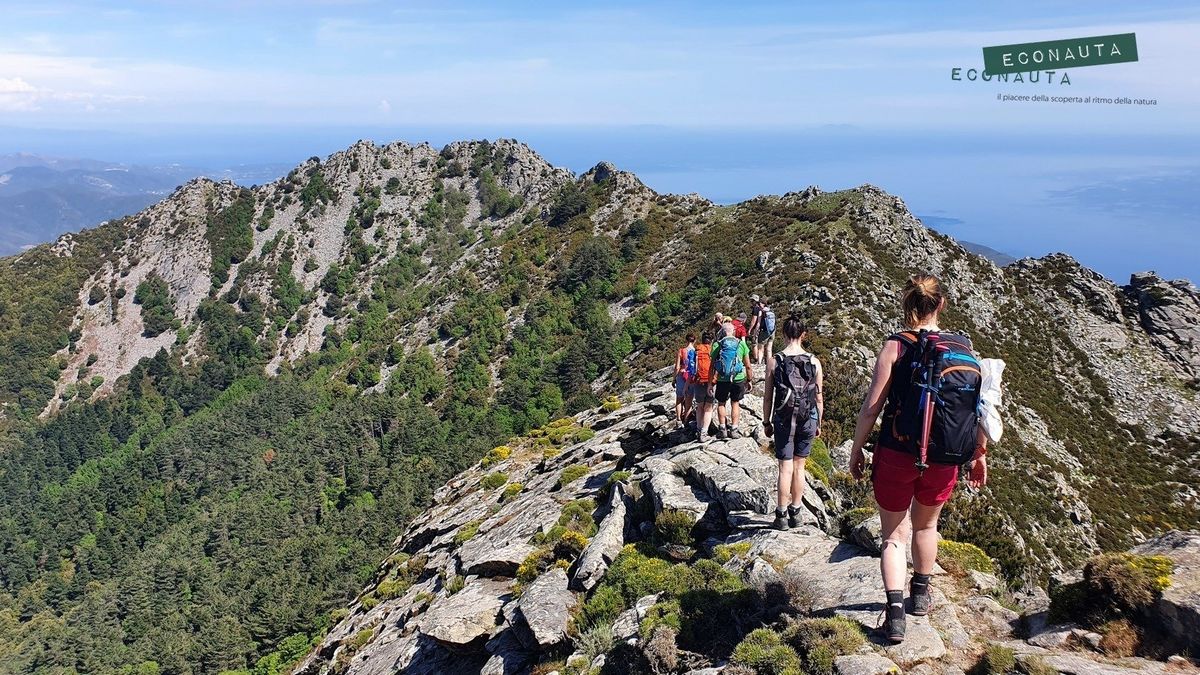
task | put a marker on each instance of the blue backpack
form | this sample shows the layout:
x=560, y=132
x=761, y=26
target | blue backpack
x=691, y=364
x=728, y=364
x=769, y=320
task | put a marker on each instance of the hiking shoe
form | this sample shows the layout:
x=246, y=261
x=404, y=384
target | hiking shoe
x=733, y=432
x=720, y=433
x=894, y=627
x=918, y=590
x=794, y=516
x=701, y=437
x=781, y=521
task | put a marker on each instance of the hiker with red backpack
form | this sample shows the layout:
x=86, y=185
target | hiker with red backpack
x=685, y=374
x=702, y=395
x=926, y=383
x=732, y=377
x=793, y=406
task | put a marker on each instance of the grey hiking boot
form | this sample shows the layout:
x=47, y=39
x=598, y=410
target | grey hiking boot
x=918, y=590
x=781, y=520
x=794, y=515
x=720, y=433
x=733, y=432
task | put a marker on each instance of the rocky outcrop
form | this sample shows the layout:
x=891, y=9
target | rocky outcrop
x=1170, y=313
x=489, y=622
x=1178, y=610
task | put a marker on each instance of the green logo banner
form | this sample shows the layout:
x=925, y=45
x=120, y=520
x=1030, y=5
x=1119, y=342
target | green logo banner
x=1076, y=53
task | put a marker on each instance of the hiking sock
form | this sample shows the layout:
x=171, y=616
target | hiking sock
x=894, y=623
x=919, y=591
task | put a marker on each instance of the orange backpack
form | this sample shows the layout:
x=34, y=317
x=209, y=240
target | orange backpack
x=703, y=363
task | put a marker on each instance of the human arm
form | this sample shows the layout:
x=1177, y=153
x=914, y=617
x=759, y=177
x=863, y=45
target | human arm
x=747, y=365
x=872, y=405
x=768, y=398
x=820, y=394
x=977, y=470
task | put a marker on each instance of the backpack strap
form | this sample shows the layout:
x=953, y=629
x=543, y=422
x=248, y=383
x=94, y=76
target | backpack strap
x=908, y=338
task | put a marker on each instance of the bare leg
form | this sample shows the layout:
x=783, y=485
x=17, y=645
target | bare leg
x=737, y=408
x=892, y=561
x=720, y=414
x=924, y=536
x=785, y=483
x=704, y=417
x=798, y=482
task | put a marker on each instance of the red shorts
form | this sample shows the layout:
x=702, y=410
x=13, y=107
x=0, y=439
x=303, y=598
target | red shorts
x=896, y=481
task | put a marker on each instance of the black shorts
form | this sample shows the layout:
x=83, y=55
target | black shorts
x=794, y=438
x=730, y=391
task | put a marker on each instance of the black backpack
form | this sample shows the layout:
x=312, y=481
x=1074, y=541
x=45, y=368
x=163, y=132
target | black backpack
x=933, y=404
x=794, y=380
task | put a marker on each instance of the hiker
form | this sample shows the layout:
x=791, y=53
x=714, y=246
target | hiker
x=715, y=328
x=762, y=329
x=731, y=378
x=739, y=327
x=702, y=394
x=685, y=373
x=793, y=406
x=926, y=383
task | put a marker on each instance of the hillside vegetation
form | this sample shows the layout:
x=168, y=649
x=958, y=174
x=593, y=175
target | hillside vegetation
x=218, y=414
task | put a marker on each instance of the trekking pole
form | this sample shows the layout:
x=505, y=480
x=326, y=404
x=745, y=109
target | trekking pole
x=931, y=376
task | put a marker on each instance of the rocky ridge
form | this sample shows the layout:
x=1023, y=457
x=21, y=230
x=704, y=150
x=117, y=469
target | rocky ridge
x=1102, y=379
x=468, y=608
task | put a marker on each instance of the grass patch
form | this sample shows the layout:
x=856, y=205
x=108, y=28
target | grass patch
x=494, y=480
x=959, y=557
x=467, y=531
x=571, y=474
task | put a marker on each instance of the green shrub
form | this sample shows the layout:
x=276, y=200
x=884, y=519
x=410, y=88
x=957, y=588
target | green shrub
x=571, y=474
x=854, y=517
x=1114, y=585
x=604, y=605
x=611, y=404
x=467, y=531
x=362, y=637
x=535, y=563
x=455, y=584
x=369, y=601
x=723, y=553
x=569, y=545
x=819, y=463
x=582, y=435
x=392, y=588
x=821, y=640
x=595, y=641
x=959, y=557
x=494, y=480
x=997, y=660
x=635, y=575
x=1035, y=665
x=511, y=490
x=577, y=516
x=617, y=477
x=674, y=527
x=495, y=455
x=660, y=614
x=764, y=652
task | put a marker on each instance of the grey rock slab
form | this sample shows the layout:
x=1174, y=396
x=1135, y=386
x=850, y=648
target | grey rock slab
x=1078, y=664
x=999, y=618
x=466, y=616
x=1058, y=636
x=672, y=493
x=1178, y=611
x=605, y=546
x=984, y=582
x=864, y=664
x=546, y=607
x=869, y=534
x=502, y=562
x=508, y=655
x=625, y=626
x=516, y=522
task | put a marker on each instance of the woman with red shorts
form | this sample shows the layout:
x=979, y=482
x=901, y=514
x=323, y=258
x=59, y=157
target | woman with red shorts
x=909, y=499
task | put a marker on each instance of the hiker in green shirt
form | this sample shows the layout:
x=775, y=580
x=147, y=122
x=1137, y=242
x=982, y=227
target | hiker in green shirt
x=732, y=377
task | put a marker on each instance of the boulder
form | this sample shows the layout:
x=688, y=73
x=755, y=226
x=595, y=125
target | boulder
x=605, y=546
x=508, y=655
x=466, y=616
x=625, y=626
x=1178, y=610
x=869, y=535
x=546, y=606
x=1002, y=620
x=864, y=664
x=984, y=582
x=501, y=562
x=672, y=493
x=1058, y=636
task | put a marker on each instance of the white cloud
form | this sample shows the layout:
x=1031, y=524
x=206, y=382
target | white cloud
x=385, y=107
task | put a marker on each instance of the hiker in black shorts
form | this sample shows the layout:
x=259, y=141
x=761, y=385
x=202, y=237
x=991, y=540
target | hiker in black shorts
x=793, y=405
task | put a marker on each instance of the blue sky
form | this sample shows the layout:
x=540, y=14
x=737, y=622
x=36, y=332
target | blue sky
x=735, y=99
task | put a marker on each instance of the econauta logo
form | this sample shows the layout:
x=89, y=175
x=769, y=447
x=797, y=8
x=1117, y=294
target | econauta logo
x=1032, y=77
x=1067, y=55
